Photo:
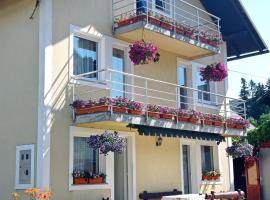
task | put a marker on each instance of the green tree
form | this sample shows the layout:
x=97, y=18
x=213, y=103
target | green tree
x=252, y=86
x=244, y=92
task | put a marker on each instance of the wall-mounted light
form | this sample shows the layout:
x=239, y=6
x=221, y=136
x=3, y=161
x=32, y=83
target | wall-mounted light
x=159, y=141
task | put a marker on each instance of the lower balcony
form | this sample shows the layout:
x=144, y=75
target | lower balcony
x=143, y=102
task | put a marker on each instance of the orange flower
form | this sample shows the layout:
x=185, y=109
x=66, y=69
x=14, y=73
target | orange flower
x=31, y=191
x=15, y=195
x=44, y=196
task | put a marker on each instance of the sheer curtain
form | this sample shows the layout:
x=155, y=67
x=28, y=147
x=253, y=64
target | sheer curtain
x=85, y=158
x=84, y=57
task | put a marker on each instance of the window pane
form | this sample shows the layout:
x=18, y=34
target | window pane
x=84, y=57
x=182, y=76
x=85, y=158
x=204, y=86
x=163, y=5
x=207, y=158
x=118, y=78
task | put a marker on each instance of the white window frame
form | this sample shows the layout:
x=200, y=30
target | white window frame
x=156, y=10
x=88, y=33
x=186, y=64
x=208, y=104
x=19, y=148
x=195, y=163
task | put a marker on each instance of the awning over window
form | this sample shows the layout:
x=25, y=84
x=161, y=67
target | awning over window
x=165, y=132
x=243, y=40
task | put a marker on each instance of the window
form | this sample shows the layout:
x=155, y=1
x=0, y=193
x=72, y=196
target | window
x=24, y=166
x=207, y=158
x=118, y=78
x=204, y=86
x=85, y=57
x=182, y=81
x=84, y=158
x=163, y=5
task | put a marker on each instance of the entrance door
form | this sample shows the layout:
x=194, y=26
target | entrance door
x=182, y=81
x=121, y=178
x=253, y=181
x=186, y=169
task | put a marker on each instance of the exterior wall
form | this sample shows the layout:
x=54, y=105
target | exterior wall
x=18, y=83
x=264, y=170
x=157, y=168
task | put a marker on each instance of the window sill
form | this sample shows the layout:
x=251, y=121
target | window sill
x=212, y=182
x=90, y=187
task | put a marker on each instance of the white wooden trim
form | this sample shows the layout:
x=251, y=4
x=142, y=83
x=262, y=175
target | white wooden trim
x=45, y=118
x=19, y=148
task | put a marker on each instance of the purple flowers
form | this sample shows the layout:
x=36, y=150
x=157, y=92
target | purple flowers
x=119, y=102
x=142, y=52
x=238, y=121
x=134, y=105
x=107, y=142
x=214, y=72
x=238, y=150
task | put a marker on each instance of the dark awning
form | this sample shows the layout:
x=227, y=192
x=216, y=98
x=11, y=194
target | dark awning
x=166, y=132
x=265, y=99
x=243, y=40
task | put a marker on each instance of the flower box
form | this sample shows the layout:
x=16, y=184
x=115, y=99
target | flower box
x=166, y=25
x=89, y=110
x=239, y=126
x=213, y=43
x=206, y=178
x=203, y=40
x=218, y=123
x=231, y=125
x=215, y=178
x=98, y=180
x=189, y=34
x=153, y=114
x=183, y=118
x=119, y=109
x=194, y=121
x=154, y=21
x=80, y=181
x=135, y=112
x=180, y=31
x=208, y=122
x=167, y=116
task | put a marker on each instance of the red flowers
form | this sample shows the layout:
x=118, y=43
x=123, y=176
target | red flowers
x=214, y=72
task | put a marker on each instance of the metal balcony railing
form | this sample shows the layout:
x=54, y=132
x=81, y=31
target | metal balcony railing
x=112, y=83
x=175, y=14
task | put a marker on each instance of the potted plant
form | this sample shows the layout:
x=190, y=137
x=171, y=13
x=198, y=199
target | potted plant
x=119, y=104
x=153, y=19
x=97, y=178
x=107, y=142
x=208, y=119
x=195, y=117
x=166, y=23
x=189, y=31
x=237, y=123
x=80, y=177
x=153, y=111
x=180, y=29
x=205, y=176
x=183, y=115
x=135, y=108
x=218, y=120
x=167, y=113
x=215, y=175
x=215, y=72
x=142, y=52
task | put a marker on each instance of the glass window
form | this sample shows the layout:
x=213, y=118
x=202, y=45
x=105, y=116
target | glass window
x=204, y=86
x=85, y=57
x=182, y=76
x=163, y=5
x=207, y=158
x=118, y=78
x=85, y=158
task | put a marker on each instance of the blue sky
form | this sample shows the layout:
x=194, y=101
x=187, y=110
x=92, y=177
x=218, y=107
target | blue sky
x=258, y=67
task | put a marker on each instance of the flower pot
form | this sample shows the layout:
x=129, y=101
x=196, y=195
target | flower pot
x=138, y=18
x=153, y=114
x=189, y=34
x=218, y=123
x=194, y=121
x=95, y=109
x=154, y=21
x=183, y=118
x=98, y=180
x=80, y=181
x=231, y=125
x=215, y=177
x=203, y=40
x=124, y=22
x=208, y=122
x=166, y=25
x=180, y=31
x=167, y=116
x=213, y=43
x=205, y=178
x=239, y=126
x=119, y=109
x=135, y=112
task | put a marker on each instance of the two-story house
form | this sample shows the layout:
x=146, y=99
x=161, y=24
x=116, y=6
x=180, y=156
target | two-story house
x=79, y=50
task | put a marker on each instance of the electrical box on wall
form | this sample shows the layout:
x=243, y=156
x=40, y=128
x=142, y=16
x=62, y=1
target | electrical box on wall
x=24, y=167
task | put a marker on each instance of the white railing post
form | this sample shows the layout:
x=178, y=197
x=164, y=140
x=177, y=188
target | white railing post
x=174, y=20
x=146, y=98
x=198, y=24
x=110, y=88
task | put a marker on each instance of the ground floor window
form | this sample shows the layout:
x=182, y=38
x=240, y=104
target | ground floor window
x=207, y=158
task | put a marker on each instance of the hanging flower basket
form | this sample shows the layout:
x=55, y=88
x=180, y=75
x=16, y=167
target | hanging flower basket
x=214, y=72
x=142, y=52
x=107, y=142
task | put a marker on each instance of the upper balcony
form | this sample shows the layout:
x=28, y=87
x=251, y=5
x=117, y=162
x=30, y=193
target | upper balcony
x=194, y=104
x=174, y=25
